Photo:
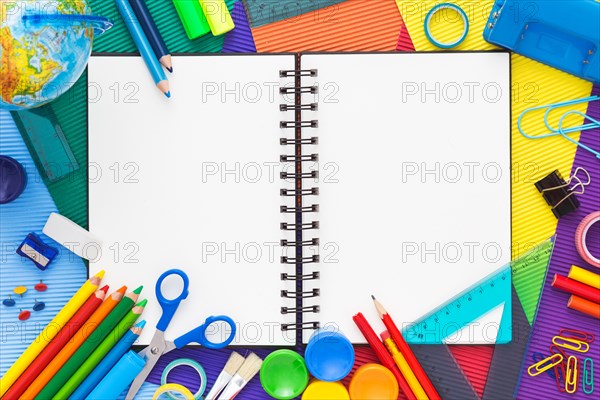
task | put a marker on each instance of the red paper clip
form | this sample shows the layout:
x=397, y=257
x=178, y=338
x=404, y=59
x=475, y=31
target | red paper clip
x=578, y=335
x=559, y=373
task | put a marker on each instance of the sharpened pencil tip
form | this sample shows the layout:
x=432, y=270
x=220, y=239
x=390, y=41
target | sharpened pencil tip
x=142, y=303
x=168, y=94
x=373, y=297
x=138, y=290
x=170, y=69
x=141, y=324
x=100, y=274
x=104, y=288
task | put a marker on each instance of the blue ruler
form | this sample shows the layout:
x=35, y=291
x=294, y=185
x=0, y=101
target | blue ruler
x=446, y=323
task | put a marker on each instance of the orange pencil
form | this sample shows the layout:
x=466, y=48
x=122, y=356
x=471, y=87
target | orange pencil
x=82, y=334
x=585, y=306
x=63, y=337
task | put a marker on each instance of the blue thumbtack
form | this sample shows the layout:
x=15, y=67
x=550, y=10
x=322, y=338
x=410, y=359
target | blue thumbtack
x=8, y=302
x=39, y=306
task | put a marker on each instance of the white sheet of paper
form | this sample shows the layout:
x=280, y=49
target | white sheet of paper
x=414, y=162
x=192, y=182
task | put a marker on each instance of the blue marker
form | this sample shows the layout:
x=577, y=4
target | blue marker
x=143, y=45
x=111, y=359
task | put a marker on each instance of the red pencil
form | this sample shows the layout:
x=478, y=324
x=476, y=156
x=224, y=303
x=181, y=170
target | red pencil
x=382, y=353
x=577, y=288
x=410, y=357
x=59, y=341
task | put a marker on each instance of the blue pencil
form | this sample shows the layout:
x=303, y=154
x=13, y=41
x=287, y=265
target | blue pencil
x=156, y=41
x=108, y=362
x=141, y=41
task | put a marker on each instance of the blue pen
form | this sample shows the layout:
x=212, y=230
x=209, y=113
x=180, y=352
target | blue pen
x=141, y=41
x=108, y=362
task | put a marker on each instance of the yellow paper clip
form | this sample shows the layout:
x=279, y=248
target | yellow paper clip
x=571, y=344
x=544, y=365
x=571, y=375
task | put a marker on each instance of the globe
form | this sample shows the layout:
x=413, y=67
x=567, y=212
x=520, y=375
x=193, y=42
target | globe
x=40, y=62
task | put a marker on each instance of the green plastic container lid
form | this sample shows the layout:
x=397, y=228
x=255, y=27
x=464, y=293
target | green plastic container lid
x=284, y=375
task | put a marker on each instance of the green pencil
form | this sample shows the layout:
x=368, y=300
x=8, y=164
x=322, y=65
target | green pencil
x=101, y=351
x=105, y=327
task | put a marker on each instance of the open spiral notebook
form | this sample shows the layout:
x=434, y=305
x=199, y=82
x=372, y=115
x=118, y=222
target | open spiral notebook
x=291, y=187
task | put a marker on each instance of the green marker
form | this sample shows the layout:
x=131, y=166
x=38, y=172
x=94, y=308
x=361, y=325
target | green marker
x=88, y=347
x=101, y=351
x=192, y=17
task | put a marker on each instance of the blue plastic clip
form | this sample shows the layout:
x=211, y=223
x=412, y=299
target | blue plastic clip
x=34, y=249
x=561, y=130
x=559, y=33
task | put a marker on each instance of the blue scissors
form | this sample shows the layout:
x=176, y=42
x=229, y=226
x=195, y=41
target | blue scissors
x=159, y=346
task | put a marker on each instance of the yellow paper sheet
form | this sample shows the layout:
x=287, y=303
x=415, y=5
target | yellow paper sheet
x=533, y=84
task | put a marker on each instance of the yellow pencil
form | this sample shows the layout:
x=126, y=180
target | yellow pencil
x=405, y=369
x=49, y=332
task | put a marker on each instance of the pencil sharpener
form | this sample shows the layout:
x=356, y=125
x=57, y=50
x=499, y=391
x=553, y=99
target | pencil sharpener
x=34, y=249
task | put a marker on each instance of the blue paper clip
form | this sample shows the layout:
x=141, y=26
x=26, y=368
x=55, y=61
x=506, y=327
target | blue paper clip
x=560, y=130
x=34, y=249
x=587, y=382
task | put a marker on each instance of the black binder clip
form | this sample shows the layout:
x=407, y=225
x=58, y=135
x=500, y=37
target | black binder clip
x=559, y=194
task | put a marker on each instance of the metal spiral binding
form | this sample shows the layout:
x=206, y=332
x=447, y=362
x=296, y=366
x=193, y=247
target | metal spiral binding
x=299, y=193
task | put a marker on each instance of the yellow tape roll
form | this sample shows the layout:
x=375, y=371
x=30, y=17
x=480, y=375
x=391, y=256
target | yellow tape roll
x=173, y=388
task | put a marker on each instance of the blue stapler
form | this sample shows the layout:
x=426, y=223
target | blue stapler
x=559, y=33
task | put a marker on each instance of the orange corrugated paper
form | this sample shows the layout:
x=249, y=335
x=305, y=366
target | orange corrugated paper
x=354, y=25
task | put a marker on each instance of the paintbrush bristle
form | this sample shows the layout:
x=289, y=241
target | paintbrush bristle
x=250, y=367
x=234, y=363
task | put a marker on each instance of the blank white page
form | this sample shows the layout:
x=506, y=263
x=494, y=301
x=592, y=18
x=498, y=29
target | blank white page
x=192, y=182
x=414, y=160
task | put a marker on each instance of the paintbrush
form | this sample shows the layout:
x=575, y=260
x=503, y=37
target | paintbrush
x=249, y=368
x=231, y=367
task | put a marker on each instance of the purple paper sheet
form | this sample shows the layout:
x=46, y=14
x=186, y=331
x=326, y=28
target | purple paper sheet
x=553, y=313
x=240, y=39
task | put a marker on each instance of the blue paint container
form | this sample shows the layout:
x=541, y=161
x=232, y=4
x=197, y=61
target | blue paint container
x=12, y=179
x=329, y=355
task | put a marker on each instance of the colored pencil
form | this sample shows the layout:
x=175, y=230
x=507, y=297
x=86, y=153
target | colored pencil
x=577, y=288
x=584, y=276
x=141, y=42
x=63, y=337
x=49, y=332
x=88, y=346
x=218, y=16
x=585, y=306
x=192, y=18
x=403, y=366
x=76, y=341
x=108, y=362
x=408, y=354
x=382, y=353
x=152, y=33
x=88, y=363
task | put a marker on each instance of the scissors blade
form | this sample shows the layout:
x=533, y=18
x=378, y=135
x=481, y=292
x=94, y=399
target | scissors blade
x=169, y=346
x=152, y=354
